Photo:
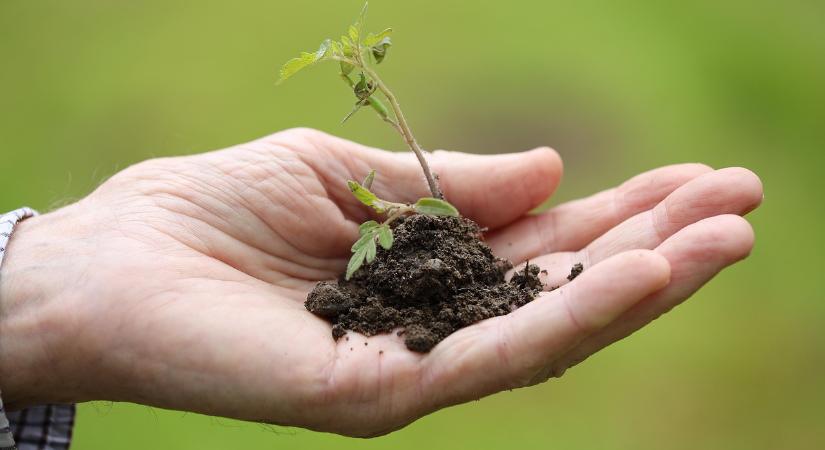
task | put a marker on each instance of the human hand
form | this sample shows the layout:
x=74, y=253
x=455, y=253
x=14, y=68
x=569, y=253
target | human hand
x=180, y=282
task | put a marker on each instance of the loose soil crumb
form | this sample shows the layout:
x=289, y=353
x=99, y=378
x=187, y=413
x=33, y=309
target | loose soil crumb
x=438, y=277
x=577, y=269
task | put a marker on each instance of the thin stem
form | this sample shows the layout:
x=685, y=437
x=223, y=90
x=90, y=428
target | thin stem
x=396, y=214
x=400, y=124
x=404, y=129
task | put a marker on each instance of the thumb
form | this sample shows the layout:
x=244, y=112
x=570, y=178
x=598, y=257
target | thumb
x=495, y=190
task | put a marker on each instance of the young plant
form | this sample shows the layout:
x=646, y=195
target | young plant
x=356, y=52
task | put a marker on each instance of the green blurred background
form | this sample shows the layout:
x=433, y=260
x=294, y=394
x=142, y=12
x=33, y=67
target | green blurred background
x=89, y=87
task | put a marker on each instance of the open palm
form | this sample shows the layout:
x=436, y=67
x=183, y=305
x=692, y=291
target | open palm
x=190, y=273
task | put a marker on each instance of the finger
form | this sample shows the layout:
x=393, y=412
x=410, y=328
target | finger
x=696, y=254
x=510, y=351
x=726, y=191
x=493, y=190
x=572, y=225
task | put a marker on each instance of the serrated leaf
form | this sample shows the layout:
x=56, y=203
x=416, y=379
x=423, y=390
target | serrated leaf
x=352, y=32
x=337, y=49
x=346, y=45
x=296, y=64
x=367, y=226
x=385, y=236
x=373, y=39
x=362, y=241
x=303, y=61
x=371, y=250
x=369, y=179
x=355, y=262
x=435, y=207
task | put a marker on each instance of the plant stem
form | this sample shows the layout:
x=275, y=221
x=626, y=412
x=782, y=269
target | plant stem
x=403, y=127
x=396, y=214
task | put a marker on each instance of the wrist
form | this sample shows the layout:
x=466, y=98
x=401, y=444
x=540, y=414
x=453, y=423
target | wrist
x=35, y=277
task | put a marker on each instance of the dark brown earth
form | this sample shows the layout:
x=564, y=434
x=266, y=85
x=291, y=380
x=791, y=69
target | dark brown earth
x=438, y=277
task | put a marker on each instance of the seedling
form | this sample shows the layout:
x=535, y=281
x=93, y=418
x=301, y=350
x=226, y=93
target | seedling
x=355, y=53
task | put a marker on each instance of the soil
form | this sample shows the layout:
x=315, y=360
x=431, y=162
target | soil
x=438, y=276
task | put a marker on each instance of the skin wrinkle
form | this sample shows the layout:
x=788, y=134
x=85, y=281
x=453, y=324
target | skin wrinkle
x=540, y=229
x=208, y=192
x=371, y=397
x=282, y=270
x=334, y=189
x=689, y=270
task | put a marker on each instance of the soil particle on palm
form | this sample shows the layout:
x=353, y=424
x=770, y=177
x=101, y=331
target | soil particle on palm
x=438, y=277
x=577, y=269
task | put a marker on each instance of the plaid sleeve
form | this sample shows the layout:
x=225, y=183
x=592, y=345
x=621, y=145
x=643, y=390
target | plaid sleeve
x=46, y=427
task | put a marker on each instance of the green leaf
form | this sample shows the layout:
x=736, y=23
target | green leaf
x=379, y=50
x=352, y=32
x=295, y=64
x=305, y=60
x=337, y=48
x=363, y=194
x=369, y=179
x=435, y=207
x=346, y=68
x=367, y=227
x=322, y=51
x=364, y=88
x=356, y=261
x=385, y=236
x=371, y=250
x=347, y=46
x=366, y=196
x=362, y=241
x=373, y=39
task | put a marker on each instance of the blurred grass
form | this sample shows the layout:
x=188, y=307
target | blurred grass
x=89, y=87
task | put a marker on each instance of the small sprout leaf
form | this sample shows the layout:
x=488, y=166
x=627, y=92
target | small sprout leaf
x=379, y=50
x=435, y=207
x=323, y=49
x=356, y=261
x=366, y=196
x=337, y=49
x=369, y=179
x=346, y=45
x=373, y=39
x=362, y=241
x=385, y=236
x=367, y=227
x=296, y=64
x=346, y=68
x=306, y=59
x=364, y=88
x=370, y=248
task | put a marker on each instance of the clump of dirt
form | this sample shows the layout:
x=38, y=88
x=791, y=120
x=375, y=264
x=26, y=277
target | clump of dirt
x=577, y=269
x=438, y=277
